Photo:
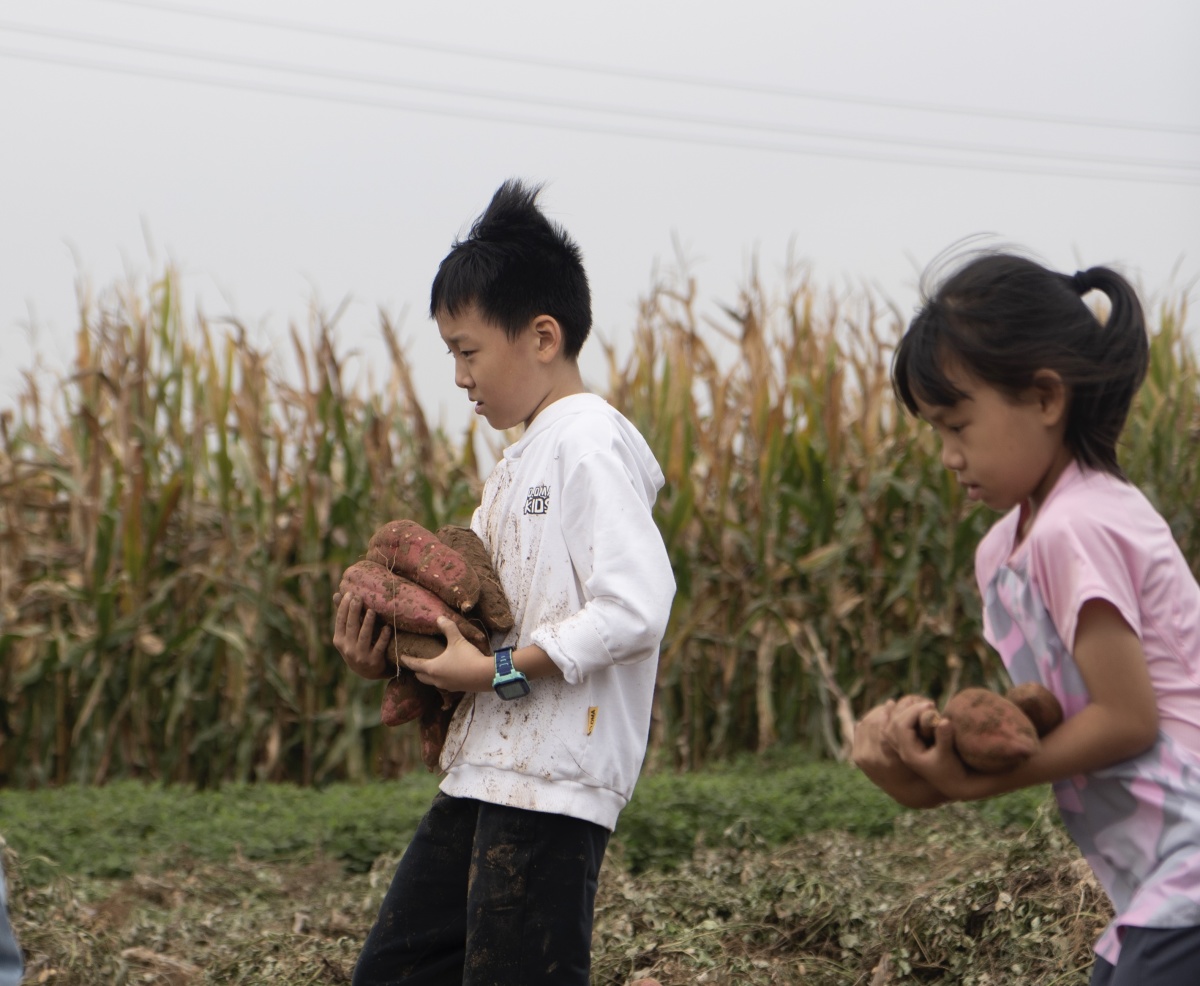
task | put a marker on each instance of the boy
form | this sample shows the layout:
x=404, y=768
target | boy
x=498, y=885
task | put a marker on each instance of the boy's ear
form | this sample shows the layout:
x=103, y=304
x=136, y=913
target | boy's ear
x=1051, y=395
x=548, y=337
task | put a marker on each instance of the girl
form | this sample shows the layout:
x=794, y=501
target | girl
x=1084, y=589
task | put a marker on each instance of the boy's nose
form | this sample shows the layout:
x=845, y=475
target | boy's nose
x=462, y=378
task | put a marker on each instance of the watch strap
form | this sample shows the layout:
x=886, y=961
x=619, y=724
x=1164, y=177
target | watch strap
x=504, y=664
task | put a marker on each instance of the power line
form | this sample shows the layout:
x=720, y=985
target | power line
x=733, y=85
x=365, y=100
x=575, y=106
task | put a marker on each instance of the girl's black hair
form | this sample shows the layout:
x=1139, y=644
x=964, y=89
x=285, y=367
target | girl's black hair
x=515, y=264
x=1002, y=318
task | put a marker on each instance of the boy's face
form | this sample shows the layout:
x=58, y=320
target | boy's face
x=502, y=376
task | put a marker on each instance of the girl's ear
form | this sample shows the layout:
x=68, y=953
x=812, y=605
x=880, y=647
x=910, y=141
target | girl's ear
x=548, y=337
x=1051, y=394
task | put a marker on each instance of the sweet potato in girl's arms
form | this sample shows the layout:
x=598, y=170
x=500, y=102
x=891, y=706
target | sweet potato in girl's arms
x=1039, y=703
x=993, y=733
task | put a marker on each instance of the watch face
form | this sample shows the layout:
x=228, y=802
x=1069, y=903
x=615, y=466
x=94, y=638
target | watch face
x=515, y=688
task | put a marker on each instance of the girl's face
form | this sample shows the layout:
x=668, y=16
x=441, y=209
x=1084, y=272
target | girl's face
x=1004, y=451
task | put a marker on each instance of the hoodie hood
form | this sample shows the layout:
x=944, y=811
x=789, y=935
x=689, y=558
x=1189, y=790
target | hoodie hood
x=624, y=437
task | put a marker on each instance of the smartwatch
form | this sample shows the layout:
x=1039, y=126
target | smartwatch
x=509, y=683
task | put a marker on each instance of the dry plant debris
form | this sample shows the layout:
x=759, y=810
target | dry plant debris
x=943, y=900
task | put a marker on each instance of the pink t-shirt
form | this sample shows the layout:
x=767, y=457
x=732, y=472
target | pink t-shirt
x=1137, y=822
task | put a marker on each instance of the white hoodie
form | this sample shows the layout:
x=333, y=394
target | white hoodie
x=566, y=514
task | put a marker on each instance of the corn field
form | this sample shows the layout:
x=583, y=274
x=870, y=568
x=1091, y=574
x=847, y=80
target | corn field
x=176, y=515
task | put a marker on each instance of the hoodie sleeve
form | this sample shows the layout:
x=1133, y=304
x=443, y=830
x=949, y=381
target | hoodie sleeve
x=620, y=564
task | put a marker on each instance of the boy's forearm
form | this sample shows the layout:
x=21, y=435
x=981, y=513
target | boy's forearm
x=533, y=662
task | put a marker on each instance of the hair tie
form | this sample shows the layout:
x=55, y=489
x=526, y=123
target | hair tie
x=1081, y=282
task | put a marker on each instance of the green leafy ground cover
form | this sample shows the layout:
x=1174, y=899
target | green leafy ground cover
x=760, y=872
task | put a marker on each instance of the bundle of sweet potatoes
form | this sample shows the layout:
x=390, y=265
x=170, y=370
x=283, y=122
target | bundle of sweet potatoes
x=409, y=577
x=995, y=733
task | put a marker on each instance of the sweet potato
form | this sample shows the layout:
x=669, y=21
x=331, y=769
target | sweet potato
x=493, y=606
x=991, y=734
x=422, y=645
x=1039, y=703
x=435, y=725
x=406, y=699
x=402, y=604
x=406, y=548
x=403, y=699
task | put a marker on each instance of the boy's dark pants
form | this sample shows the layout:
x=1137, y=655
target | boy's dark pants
x=487, y=894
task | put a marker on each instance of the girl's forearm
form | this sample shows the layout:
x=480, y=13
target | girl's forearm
x=1093, y=739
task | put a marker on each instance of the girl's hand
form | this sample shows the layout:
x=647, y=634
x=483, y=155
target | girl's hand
x=461, y=667
x=352, y=635
x=875, y=755
x=939, y=764
x=900, y=731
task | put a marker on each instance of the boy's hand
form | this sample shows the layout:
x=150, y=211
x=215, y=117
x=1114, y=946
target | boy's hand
x=352, y=636
x=461, y=667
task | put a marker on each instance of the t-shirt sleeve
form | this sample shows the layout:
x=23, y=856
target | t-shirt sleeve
x=1074, y=560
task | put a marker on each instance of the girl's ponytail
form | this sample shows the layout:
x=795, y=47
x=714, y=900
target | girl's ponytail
x=1125, y=328
x=1119, y=353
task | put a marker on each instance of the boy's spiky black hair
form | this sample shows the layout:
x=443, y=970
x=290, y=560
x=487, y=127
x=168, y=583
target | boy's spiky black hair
x=514, y=265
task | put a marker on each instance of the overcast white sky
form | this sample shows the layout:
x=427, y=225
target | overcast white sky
x=284, y=152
